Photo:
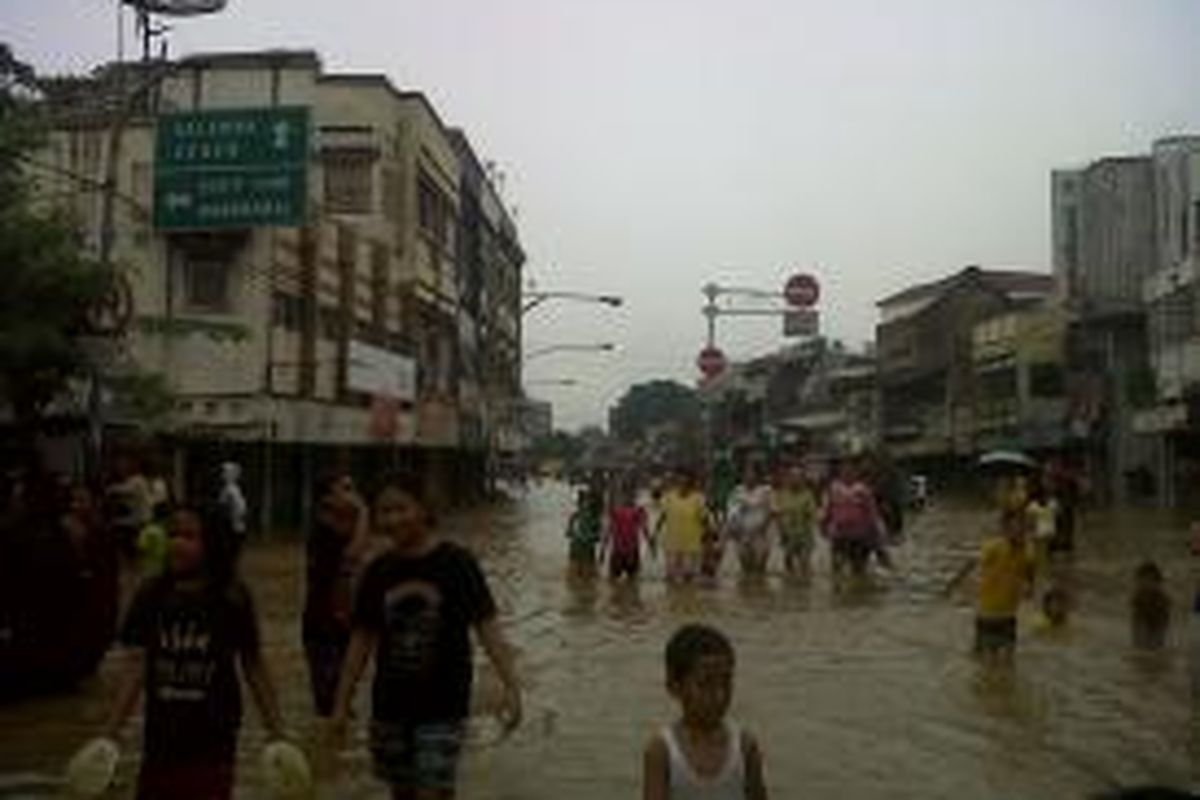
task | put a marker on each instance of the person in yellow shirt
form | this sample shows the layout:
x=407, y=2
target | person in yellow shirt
x=684, y=522
x=1006, y=569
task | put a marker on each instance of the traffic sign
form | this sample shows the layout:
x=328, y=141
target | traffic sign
x=802, y=290
x=801, y=322
x=178, y=8
x=229, y=198
x=711, y=362
x=241, y=167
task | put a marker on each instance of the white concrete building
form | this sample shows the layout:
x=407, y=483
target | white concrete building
x=280, y=342
x=1172, y=301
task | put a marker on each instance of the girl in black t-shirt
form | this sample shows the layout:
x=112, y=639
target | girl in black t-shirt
x=414, y=611
x=185, y=636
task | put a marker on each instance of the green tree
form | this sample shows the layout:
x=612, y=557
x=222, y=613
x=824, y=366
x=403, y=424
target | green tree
x=653, y=403
x=48, y=279
x=558, y=446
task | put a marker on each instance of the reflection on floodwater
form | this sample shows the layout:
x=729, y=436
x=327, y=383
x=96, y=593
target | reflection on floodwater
x=859, y=691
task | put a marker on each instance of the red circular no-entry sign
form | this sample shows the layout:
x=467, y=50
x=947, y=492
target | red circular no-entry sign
x=711, y=362
x=802, y=290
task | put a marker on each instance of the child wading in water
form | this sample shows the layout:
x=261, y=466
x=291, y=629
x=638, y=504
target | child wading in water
x=584, y=531
x=1150, y=609
x=1006, y=572
x=185, y=635
x=1052, y=621
x=794, y=506
x=627, y=526
x=704, y=755
x=414, y=610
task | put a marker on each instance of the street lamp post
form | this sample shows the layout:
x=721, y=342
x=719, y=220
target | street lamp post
x=553, y=382
x=531, y=300
x=603, y=347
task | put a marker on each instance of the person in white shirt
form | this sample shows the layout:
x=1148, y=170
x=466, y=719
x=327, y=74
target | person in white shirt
x=748, y=520
x=233, y=502
x=703, y=755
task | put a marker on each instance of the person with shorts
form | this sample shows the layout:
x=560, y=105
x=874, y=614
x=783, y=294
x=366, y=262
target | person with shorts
x=794, y=506
x=584, y=531
x=852, y=521
x=685, y=522
x=627, y=526
x=414, y=611
x=1006, y=572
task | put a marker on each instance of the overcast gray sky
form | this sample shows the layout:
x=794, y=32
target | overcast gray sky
x=653, y=145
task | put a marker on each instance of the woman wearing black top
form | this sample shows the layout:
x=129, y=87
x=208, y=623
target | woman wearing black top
x=335, y=550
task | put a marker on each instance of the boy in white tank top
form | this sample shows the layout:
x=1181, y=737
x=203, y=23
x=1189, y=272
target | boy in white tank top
x=703, y=755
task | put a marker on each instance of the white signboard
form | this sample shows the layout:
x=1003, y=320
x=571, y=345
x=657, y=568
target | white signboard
x=376, y=371
x=179, y=8
x=801, y=322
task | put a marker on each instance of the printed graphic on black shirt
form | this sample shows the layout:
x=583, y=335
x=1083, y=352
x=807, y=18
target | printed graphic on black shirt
x=192, y=639
x=423, y=610
x=412, y=613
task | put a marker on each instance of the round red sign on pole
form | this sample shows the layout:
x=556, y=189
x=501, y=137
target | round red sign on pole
x=802, y=290
x=711, y=362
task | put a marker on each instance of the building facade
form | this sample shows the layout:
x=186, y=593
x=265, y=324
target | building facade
x=928, y=388
x=1105, y=224
x=1105, y=236
x=1172, y=303
x=337, y=342
x=1021, y=375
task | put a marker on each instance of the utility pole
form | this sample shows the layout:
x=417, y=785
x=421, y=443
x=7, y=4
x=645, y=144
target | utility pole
x=801, y=292
x=127, y=108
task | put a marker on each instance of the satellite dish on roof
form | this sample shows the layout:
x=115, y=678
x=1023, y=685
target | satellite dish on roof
x=178, y=8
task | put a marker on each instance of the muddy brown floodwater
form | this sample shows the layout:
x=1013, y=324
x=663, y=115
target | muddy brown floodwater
x=857, y=693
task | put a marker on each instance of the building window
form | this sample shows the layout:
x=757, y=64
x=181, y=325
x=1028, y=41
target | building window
x=330, y=321
x=1046, y=380
x=434, y=210
x=1183, y=233
x=206, y=283
x=348, y=181
x=392, y=187
x=287, y=311
x=1196, y=225
x=379, y=284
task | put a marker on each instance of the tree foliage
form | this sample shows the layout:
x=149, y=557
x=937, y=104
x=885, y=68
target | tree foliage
x=651, y=404
x=558, y=446
x=48, y=279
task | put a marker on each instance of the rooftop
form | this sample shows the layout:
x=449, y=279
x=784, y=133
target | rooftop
x=1009, y=281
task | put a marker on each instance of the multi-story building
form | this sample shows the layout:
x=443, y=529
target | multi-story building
x=815, y=397
x=490, y=261
x=925, y=349
x=832, y=408
x=1172, y=301
x=1020, y=375
x=1103, y=223
x=293, y=348
x=1105, y=241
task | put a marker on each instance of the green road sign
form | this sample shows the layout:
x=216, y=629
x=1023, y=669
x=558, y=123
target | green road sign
x=229, y=198
x=231, y=168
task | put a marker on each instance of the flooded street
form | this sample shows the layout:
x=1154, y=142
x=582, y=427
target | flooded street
x=860, y=693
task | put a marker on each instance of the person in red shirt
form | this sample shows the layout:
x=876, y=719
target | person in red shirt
x=627, y=526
